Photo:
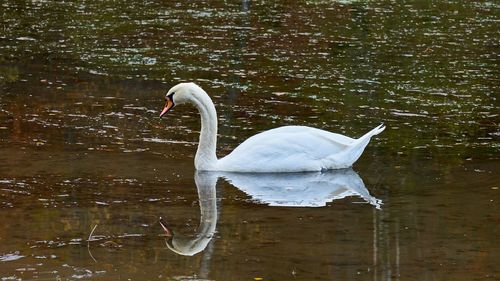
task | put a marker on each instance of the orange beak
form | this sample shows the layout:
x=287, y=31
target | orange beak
x=167, y=107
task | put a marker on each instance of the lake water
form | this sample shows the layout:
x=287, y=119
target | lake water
x=87, y=168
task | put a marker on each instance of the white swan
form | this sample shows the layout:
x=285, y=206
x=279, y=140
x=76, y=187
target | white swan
x=284, y=149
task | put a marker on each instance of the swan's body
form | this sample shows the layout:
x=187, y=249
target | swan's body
x=284, y=149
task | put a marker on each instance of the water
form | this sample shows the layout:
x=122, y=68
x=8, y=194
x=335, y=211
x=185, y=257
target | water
x=82, y=149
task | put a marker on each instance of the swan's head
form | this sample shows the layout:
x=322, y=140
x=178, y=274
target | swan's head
x=179, y=94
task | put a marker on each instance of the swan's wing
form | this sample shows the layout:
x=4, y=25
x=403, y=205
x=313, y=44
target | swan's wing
x=281, y=149
x=304, y=131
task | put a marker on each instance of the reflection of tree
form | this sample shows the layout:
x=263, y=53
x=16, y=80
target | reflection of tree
x=349, y=62
x=8, y=75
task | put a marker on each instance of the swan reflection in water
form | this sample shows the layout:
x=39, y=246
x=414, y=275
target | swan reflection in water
x=189, y=245
x=311, y=189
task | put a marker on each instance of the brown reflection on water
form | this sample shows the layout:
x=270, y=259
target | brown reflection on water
x=81, y=86
x=439, y=219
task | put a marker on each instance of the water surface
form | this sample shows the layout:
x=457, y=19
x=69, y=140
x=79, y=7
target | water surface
x=82, y=148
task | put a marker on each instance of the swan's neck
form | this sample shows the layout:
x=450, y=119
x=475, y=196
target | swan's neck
x=206, y=158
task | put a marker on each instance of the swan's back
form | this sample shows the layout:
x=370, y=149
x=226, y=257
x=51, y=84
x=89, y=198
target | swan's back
x=287, y=149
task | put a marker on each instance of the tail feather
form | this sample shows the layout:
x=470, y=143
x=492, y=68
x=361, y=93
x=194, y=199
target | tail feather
x=366, y=137
x=358, y=146
x=379, y=129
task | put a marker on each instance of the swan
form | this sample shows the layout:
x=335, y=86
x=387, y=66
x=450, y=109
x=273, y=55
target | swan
x=283, y=149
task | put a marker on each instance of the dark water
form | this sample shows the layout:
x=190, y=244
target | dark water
x=82, y=149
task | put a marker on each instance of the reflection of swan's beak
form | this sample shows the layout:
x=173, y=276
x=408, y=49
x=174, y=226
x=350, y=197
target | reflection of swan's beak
x=168, y=233
x=167, y=107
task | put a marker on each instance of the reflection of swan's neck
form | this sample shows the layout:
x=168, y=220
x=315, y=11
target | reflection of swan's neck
x=206, y=158
x=189, y=246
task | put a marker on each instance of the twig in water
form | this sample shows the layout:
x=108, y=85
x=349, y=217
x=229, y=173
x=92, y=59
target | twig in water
x=88, y=242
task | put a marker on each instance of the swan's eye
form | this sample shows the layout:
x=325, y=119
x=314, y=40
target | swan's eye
x=170, y=97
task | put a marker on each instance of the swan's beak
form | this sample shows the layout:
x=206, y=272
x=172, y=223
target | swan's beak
x=167, y=107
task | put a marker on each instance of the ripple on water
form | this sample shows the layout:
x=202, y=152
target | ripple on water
x=159, y=140
x=11, y=256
